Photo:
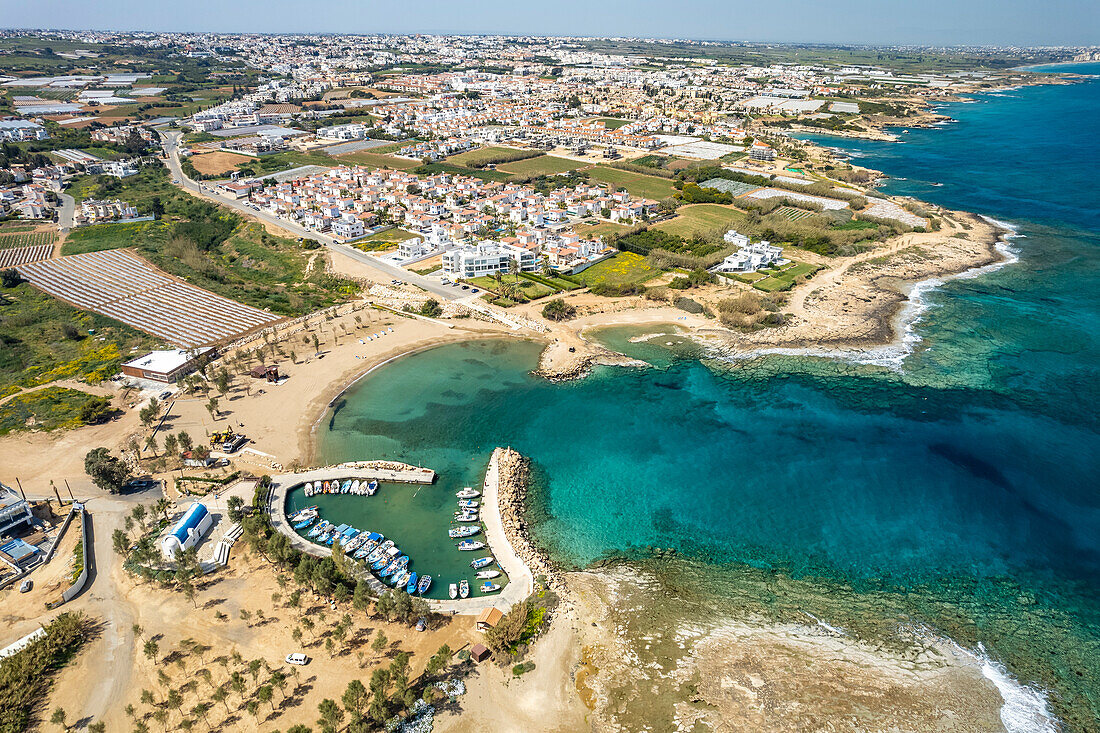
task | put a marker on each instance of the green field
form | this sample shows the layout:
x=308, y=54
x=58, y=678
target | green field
x=544, y=165
x=790, y=213
x=492, y=155
x=613, y=123
x=457, y=170
x=26, y=239
x=700, y=219
x=44, y=409
x=625, y=268
x=43, y=339
x=784, y=279
x=650, y=187
x=378, y=160
x=604, y=228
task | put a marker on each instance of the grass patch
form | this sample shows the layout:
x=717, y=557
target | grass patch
x=785, y=278
x=44, y=409
x=700, y=219
x=373, y=159
x=544, y=165
x=637, y=184
x=604, y=228
x=613, y=123
x=492, y=155
x=625, y=268
x=485, y=175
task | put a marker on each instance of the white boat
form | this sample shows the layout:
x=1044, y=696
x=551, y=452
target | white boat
x=467, y=504
x=464, y=588
x=371, y=488
x=452, y=591
x=355, y=486
x=470, y=545
x=486, y=574
x=488, y=587
x=468, y=493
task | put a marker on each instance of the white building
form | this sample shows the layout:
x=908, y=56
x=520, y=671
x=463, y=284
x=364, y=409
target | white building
x=187, y=533
x=751, y=256
x=350, y=228
x=487, y=258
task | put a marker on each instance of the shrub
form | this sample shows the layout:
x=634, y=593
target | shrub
x=689, y=305
x=558, y=310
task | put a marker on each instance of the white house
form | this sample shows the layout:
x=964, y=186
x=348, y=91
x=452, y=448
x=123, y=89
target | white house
x=487, y=258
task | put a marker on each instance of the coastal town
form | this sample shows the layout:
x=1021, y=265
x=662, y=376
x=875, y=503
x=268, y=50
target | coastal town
x=207, y=240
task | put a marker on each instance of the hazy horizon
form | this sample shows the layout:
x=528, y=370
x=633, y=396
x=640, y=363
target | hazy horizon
x=857, y=22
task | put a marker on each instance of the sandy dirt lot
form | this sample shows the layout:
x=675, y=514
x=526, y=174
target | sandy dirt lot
x=213, y=164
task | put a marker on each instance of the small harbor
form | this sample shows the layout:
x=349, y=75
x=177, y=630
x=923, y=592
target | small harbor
x=407, y=531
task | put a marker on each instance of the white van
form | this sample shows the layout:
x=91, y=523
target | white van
x=299, y=659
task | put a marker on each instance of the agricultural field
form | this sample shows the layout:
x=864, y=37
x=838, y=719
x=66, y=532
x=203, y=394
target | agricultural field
x=13, y=256
x=650, y=187
x=700, y=219
x=544, y=165
x=122, y=286
x=790, y=213
x=625, y=268
x=217, y=163
x=45, y=339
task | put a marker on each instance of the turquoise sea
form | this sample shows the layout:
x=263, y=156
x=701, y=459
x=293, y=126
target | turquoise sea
x=958, y=490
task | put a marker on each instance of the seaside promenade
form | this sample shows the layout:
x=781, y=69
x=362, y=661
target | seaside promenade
x=520, y=581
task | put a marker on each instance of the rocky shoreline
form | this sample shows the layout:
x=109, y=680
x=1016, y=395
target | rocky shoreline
x=513, y=470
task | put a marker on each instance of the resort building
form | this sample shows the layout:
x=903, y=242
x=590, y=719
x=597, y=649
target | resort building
x=751, y=256
x=761, y=151
x=165, y=366
x=188, y=531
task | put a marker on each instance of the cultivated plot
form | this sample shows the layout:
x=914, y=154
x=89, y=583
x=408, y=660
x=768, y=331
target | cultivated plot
x=121, y=285
x=21, y=255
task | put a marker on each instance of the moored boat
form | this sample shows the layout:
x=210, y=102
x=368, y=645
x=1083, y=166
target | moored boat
x=355, y=486
x=424, y=584
x=489, y=587
x=486, y=574
x=410, y=584
x=467, y=504
x=468, y=493
x=460, y=532
x=371, y=488
x=470, y=545
x=481, y=562
x=464, y=588
x=452, y=591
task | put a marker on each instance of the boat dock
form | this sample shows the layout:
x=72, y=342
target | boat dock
x=520, y=581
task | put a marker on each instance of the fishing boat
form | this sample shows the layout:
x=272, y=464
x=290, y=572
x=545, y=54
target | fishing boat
x=346, y=486
x=410, y=583
x=488, y=587
x=386, y=558
x=394, y=567
x=321, y=527
x=371, y=488
x=486, y=574
x=468, y=493
x=452, y=591
x=301, y=513
x=481, y=562
x=460, y=532
x=303, y=523
x=467, y=504
x=308, y=489
x=355, y=486
x=467, y=516
x=464, y=588
x=470, y=545
x=424, y=584
x=399, y=579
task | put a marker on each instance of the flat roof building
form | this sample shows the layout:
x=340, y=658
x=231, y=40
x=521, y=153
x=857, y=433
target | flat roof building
x=165, y=366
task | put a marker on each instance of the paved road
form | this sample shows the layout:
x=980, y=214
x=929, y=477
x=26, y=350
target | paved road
x=65, y=215
x=170, y=142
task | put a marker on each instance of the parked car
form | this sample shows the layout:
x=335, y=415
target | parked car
x=140, y=484
x=299, y=659
x=475, y=290
x=26, y=586
x=165, y=394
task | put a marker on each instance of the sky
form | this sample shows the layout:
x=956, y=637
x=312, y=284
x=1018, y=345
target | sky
x=888, y=22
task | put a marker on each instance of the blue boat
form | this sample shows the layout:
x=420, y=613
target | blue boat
x=321, y=527
x=344, y=487
x=305, y=522
x=424, y=584
x=481, y=562
x=410, y=587
x=392, y=568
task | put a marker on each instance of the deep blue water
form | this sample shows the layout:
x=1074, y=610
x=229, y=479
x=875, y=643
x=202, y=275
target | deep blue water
x=971, y=470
